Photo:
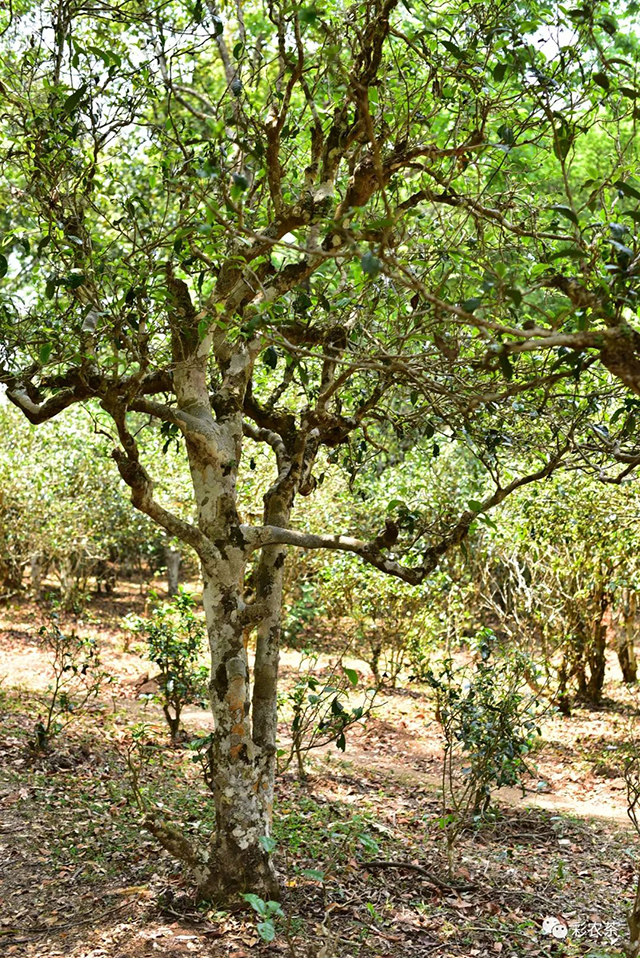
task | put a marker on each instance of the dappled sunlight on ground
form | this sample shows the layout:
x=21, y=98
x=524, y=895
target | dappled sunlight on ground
x=82, y=878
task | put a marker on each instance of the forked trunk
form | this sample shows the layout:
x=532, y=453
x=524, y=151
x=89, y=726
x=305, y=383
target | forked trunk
x=243, y=768
x=242, y=754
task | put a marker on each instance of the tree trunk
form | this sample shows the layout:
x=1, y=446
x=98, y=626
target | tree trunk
x=243, y=768
x=633, y=921
x=244, y=750
x=625, y=638
x=173, y=559
x=580, y=673
x=596, y=653
x=67, y=580
x=173, y=721
x=11, y=574
x=562, y=699
x=37, y=570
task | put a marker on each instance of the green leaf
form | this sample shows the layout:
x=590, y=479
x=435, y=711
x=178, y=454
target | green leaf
x=369, y=843
x=269, y=843
x=101, y=54
x=506, y=135
x=563, y=139
x=602, y=80
x=240, y=181
x=487, y=521
x=45, y=353
x=74, y=99
x=341, y=742
x=514, y=294
x=609, y=25
x=313, y=873
x=475, y=505
x=470, y=305
x=454, y=49
x=266, y=930
x=565, y=211
x=308, y=15
x=500, y=71
x=370, y=264
x=74, y=280
x=506, y=366
x=337, y=708
x=568, y=252
x=237, y=50
x=621, y=249
x=50, y=288
x=257, y=903
x=270, y=357
x=203, y=326
x=352, y=675
x=627, y=189
x=381, y=223
x=4, y=265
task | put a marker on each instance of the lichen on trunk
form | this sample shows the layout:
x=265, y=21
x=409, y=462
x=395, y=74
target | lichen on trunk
x=243, y=763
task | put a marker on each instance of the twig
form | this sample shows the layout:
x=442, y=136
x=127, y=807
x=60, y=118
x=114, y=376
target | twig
x=433, y=879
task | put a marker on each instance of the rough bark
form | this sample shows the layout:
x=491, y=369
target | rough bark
x=243, y=779
x=269, y=580
x=11, y=574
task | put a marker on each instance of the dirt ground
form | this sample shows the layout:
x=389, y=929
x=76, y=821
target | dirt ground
x=359, y=845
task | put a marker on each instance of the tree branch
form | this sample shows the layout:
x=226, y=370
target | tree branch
x=372, y=551
x=39, y=412
x=137, y=478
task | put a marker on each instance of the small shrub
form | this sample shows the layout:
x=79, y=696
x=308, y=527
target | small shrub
x=268, y=912
x=131, y=626
x=320, y=710
x=489, y=726
x=384, y=620
x=174, y=636
x=77, y=679
x=302, y=612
